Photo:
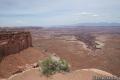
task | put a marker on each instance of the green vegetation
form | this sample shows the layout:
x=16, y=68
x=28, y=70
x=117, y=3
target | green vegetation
x=53, y=64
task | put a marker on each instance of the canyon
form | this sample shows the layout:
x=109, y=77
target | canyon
x=82, y=47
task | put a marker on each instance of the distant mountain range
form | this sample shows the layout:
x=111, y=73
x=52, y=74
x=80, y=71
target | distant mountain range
x=102, y=24
x=98, y=24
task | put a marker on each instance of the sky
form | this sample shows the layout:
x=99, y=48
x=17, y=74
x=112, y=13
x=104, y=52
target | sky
x=58, y=12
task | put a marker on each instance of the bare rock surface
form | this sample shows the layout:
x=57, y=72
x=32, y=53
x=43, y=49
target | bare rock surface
x=19, y=62
x=83, y=74
x=12, y=42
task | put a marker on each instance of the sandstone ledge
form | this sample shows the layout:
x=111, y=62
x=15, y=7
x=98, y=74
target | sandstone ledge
x=83, y=74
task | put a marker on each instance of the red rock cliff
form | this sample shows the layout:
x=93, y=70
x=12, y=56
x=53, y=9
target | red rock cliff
x=13, y=42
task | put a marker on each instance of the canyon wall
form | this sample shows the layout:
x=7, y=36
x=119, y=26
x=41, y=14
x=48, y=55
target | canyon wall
x=12, y=42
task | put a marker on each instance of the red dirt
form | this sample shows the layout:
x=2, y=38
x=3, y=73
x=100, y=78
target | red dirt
x=10, y=64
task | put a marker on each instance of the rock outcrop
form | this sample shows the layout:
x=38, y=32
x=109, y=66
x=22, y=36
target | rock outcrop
x=13, y=42
x=21, y=61
x=83, y=74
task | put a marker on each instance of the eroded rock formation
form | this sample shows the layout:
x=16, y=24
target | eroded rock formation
x=13, y=42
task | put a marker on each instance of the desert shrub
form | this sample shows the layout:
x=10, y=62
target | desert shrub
x=52, y=65
x=64, y=66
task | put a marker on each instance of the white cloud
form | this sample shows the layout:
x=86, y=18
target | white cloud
x=19, y=21
x=85, y=14
x=81, y=13
x=95, y=15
